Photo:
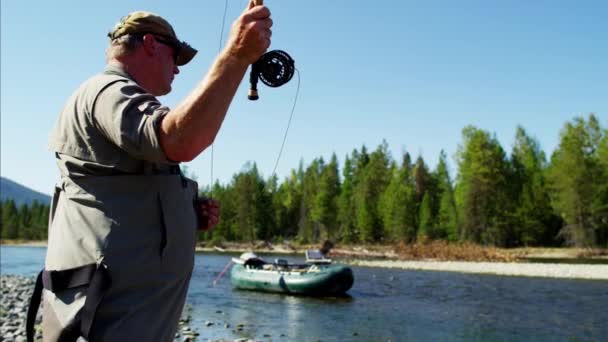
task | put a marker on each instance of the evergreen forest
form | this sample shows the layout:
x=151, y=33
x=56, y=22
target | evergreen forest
x=519, y=197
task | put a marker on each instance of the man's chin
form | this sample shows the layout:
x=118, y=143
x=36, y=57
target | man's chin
x=164, y=91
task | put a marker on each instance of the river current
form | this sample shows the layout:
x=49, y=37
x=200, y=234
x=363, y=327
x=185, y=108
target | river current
x=385, y=305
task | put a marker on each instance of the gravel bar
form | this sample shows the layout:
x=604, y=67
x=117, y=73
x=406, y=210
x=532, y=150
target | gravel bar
x=569, y=271
x=16, y=292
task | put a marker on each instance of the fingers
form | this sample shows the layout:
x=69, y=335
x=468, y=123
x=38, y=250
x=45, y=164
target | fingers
x=258, y=13
x=250, y=34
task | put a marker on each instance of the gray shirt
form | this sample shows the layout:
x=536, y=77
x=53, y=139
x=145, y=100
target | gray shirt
x=109, y=126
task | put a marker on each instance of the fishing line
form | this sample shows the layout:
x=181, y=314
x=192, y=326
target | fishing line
x=293, y=108
x=219, y=50
x=222, y=273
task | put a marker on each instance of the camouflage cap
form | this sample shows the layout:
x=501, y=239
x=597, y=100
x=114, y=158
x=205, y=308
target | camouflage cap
x=141, y=22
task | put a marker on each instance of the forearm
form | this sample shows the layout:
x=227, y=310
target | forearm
x=193, y=125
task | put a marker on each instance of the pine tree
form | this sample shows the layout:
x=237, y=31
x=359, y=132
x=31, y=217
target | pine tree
x=447, y=218
x=326, y=202
x=533, y=210
x=245, y=187
x=308, y=227
x=397, y=206
x=373, y=182
x=600, y=203
x=425, y=227
x=346, y=205
x=10, y=220
x=481, y=191
x=576, y=181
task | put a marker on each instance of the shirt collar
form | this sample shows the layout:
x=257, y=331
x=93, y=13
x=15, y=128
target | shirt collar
x=117, y=70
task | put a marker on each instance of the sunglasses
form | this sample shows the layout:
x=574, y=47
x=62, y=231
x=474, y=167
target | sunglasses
x=168, y=43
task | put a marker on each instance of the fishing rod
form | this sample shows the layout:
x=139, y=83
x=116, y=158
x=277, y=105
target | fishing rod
x=274, y=68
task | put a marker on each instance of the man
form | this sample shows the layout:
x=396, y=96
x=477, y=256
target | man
x=122, y=232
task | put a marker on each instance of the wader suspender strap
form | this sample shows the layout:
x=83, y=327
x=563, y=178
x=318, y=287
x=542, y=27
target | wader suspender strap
x=95, y=276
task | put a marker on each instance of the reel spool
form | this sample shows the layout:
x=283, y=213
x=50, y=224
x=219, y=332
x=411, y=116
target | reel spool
x=274, y=68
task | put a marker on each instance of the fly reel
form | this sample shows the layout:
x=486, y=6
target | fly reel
x=274, y=68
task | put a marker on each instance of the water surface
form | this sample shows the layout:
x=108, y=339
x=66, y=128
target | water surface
x=387, y=304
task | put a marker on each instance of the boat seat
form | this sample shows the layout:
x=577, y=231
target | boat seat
x=254, y=263
x=281, y=264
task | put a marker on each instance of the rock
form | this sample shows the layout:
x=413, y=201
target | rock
x=209, y=323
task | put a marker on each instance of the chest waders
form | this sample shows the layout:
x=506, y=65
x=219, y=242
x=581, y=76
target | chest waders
x=119, y=258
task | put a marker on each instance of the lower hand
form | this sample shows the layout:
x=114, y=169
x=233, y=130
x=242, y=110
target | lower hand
x=208, y=213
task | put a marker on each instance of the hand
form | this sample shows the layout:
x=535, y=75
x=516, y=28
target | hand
x=207, y=212
x=250, y=34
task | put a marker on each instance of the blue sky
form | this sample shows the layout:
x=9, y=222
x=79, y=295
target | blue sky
x=411, y=72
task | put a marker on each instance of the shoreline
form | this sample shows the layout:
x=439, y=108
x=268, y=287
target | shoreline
x=385, y=257
x=517, y=269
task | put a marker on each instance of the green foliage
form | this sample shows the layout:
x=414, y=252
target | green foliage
x=577, y=178
x=426, y=218
x=325, y=208
x=28, y=222
x=397, y=205
x=346, y=209
x=447, y=217
x=494, y=199
x=533, y=213
x=372, y=181
x=481, y=193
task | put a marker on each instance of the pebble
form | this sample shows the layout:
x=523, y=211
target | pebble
x=14, y=302
x=15, y=299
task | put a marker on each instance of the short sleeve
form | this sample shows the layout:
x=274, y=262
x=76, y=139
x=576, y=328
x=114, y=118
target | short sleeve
x=130, y=117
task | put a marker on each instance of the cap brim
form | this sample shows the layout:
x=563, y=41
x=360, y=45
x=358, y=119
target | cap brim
x=186, y=53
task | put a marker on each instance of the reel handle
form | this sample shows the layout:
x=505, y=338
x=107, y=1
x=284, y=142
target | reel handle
x=253, y=83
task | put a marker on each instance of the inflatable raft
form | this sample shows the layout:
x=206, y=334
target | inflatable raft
x=317, y=277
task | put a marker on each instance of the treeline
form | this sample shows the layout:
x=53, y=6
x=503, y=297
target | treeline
x=26, y=222
x=498, y=198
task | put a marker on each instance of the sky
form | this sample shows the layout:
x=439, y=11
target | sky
x=412, y=73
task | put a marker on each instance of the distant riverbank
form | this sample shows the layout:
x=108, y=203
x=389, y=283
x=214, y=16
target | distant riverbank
x=575, y=263
x=569, y=263
x=566, y=271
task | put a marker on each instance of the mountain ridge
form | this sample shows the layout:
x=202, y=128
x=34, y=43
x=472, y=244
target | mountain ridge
x=20, y=193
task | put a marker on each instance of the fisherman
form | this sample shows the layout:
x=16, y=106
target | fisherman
x=123, y=219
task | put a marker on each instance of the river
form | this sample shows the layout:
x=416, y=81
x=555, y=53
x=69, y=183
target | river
x=386, y=305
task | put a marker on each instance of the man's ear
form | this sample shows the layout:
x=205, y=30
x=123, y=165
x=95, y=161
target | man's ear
x=150, y=44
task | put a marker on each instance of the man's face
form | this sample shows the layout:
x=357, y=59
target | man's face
x=166, y=67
